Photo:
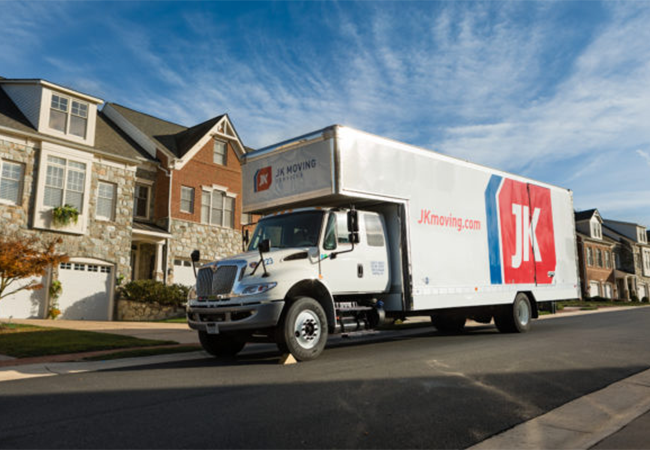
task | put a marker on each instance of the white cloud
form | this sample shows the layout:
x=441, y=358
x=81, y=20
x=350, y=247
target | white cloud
x=645, y=156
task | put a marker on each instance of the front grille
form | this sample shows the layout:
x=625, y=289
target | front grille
x=211, y=283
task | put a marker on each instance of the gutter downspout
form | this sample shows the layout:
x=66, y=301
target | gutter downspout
x=170, y=174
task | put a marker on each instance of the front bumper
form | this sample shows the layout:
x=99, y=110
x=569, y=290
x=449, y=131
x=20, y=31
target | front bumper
x=235, y=318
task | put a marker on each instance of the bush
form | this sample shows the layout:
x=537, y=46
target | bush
x=150, y=291
x=645, y=299
x=597, y=298
x=634, y=298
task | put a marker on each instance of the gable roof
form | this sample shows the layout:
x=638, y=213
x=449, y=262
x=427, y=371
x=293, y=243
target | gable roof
x=584, y=215
x=186, y=140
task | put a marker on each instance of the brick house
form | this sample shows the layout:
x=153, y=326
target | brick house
x=595, y=256
x=632, y=254
x=148, y=192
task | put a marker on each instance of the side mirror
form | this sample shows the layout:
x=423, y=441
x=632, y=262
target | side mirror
x=354, y=238
x=353, y=221
x=196, y=256
x=264, y=246
x=247, y=237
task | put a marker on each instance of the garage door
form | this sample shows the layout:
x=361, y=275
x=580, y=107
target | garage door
x=86, y=292
x=642, y=291
x=183, y=272
x=594, y=290
x=24, y=304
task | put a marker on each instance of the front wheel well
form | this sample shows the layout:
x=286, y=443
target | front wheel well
x=317, y=291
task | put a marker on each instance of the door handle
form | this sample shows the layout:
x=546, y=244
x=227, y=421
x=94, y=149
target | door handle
x=360, y=270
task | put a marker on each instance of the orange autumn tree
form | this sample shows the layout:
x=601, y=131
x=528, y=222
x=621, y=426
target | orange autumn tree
x=24, y=258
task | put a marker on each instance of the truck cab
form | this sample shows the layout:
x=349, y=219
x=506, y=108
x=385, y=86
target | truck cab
x=306, y=273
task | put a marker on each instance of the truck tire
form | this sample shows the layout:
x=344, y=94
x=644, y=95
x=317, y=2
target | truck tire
x=303, y=330
x=515, y=318
x=448, y=323
x=221, y=345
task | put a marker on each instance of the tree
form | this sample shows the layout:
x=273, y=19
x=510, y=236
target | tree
x=24, y=258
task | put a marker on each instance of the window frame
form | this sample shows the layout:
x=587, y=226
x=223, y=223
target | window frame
x=223, y=156
x=69, y=112
x=20, y=181
x=590, y=257
x=225, y=195
x=191, y=199
x=113, y=201
x=67, y=170
x=147, y=203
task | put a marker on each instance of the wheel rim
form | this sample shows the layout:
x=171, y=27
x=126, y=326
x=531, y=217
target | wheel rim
x=307, y=329
x=523, y=313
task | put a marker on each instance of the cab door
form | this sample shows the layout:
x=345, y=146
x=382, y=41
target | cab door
x=362, y=270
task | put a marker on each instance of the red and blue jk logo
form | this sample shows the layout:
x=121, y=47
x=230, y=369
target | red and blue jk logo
x=521, y=238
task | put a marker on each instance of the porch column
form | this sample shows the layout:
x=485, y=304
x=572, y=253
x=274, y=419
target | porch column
x=158, y=274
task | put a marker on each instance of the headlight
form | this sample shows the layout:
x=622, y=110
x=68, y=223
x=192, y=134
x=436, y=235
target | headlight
x=191, y=295
x=258, y=288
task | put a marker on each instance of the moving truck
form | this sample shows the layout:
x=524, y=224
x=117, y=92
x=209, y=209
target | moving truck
x=358, y=229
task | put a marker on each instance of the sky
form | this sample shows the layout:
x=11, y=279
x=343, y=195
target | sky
x=558, y=91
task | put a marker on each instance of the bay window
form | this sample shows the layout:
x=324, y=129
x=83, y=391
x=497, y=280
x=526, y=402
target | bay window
x=65, y=182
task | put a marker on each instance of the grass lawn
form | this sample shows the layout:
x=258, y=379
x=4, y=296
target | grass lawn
x=175, y=320
x=22, y=341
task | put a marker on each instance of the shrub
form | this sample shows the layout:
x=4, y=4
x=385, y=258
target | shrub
x=62, y=216
x=634, y=298
x=645, y=299
x=150, y=291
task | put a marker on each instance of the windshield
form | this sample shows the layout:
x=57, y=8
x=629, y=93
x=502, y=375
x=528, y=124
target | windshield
x=289, y=230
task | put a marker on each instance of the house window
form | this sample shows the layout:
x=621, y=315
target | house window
x=141, y=201
x=187, y=199
x=59, y=113
x=65, y=183
x=217, y=208
x=75, y=123
x=608, y=260
x=105, y=201
x=599, y=256
x=246, y=218
x=11, y=182
x=642, y=236
x=590, y=256
x=78, y=119
x=646, y=262
x=596, y=231
x=220, y=150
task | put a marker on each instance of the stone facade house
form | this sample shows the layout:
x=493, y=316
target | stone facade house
x=595, y=256
x=632, y=257
x=148, y=192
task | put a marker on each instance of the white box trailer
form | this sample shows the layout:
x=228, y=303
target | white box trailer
x=458, y=240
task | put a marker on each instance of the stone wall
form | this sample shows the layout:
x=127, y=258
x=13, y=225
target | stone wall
x=128, y=310
x=213, y=242
x=108, y=241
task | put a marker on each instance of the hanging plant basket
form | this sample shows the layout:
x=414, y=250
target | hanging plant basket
x=63, y=216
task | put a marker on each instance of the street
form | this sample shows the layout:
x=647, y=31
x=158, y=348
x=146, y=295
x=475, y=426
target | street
x=413, y=390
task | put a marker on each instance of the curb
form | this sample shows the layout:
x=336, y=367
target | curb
x=582, y=423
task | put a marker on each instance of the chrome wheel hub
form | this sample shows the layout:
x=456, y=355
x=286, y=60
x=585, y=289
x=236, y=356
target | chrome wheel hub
x=307, y=329
x=523, y=313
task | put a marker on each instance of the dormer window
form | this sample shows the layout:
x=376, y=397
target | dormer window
x=642, y=236
x=68, y=116
x=596, y=231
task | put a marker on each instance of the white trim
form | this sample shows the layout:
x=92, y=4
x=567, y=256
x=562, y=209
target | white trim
x=144, y=181
x=42, y=215
x=56, y=87
x=152, y=233
x=192, y=200
x=21, y=182
x=114, y=208
x=117, y=165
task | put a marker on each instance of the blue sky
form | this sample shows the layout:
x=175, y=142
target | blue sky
x=557, y=91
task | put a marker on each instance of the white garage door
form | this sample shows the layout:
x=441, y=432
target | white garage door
x=608, y=290
x=642, y=291
x=86, y=291
x=183, y=272
x=24, y=304
x=594, y=290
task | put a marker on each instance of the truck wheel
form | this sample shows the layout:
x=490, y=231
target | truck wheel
x=515, y=318
x=448, y=323
x=303, y=330
x=221, y=345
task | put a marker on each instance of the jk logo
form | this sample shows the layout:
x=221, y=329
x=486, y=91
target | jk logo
x=263, y=179
x=525, y=236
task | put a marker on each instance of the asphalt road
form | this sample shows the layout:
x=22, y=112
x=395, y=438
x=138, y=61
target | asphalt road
x=417, y=390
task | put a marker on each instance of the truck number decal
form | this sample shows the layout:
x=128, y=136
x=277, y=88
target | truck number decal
x=521, y=239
